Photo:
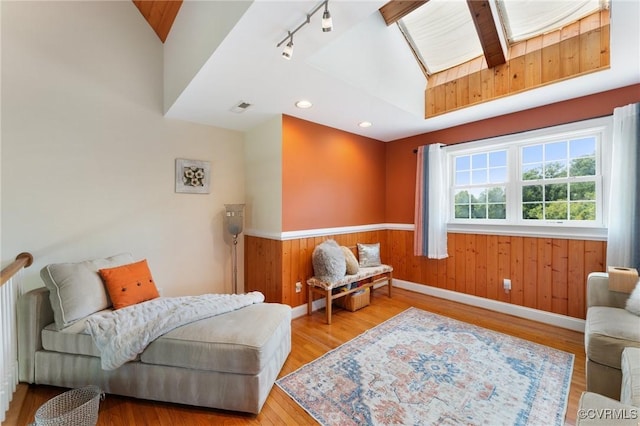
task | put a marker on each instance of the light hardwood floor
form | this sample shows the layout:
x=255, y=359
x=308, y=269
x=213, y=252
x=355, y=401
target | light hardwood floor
x=311, y=338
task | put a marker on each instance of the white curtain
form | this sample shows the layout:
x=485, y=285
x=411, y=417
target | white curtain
x=430, y=235
x=623, y=241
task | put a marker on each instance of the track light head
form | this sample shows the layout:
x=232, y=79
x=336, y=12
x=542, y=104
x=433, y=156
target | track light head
x=288, y=50
x=327, y=22
x=327, y=25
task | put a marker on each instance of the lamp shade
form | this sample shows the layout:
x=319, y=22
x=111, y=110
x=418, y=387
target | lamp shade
x=235, y=218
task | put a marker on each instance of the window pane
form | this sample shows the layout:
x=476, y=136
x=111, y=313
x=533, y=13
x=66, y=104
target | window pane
x=532, y=154
x=532, y=171
x=478, y=211
x=462, y=197
x=479, y=176
x=531, y=193
x=463, y=163
x=555, y=192
x=498, y=158
x=462, y=212
x=585, y=166
x=556, y=211
x=497, y=211
x=478, y=196
x=585, y=147
x=555, y=169
x=532, y=211
x=479, y=161
x=583, y=211
x=497, y=195
x=463, y=178
x=555, y=151
x=582, y=191
x=498, y=175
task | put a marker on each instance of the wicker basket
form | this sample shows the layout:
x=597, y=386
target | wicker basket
x=77, y=407
x=354, y=301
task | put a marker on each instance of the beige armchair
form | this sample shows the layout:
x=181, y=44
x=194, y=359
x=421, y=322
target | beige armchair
x=609, y=328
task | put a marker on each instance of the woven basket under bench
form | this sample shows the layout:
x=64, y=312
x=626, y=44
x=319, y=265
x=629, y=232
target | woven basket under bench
x=366, y=277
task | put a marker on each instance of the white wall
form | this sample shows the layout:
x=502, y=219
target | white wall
x=196, y=33
x=263, y=165
x=88, y=159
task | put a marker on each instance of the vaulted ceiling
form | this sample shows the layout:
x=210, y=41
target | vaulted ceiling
x=362, y=70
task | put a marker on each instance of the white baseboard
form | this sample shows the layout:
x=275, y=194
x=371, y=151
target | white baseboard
x=550, y=318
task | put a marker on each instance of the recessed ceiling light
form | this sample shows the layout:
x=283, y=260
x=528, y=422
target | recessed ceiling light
x=304, y=104
x=365, y=124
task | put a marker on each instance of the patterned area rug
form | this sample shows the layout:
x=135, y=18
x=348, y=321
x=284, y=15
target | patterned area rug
x=425, y=369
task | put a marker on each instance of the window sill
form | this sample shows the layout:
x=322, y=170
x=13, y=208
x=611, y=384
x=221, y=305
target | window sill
x=571, y=233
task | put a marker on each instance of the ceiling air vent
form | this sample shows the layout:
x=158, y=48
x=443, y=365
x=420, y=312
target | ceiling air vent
x=241, y=106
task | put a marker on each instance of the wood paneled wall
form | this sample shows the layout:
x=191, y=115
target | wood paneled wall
x=548, y=274
x=576, y=49
x=274, y=267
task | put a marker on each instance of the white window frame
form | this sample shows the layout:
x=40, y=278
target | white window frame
x=514, y=224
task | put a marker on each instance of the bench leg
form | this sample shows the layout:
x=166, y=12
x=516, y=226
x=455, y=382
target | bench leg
x=389, y=281
x=328, y=308
x=309, y=301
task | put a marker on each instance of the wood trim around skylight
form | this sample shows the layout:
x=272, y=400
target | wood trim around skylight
x=579, y=48
x=395, y=10
x=487, y=32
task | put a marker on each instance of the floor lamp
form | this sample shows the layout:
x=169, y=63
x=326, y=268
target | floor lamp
x=234, y=226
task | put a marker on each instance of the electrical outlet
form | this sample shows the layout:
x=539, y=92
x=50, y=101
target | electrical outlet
x=298, y=287
x=506, y=284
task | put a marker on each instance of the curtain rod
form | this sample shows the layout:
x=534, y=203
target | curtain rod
x=415, y=150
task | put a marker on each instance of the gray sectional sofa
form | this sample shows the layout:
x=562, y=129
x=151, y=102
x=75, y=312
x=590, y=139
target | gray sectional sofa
x=229, y=361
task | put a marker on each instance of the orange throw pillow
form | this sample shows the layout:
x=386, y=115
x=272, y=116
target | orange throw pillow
x=129, y=284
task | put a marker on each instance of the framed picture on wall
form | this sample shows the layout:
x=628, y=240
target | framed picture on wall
x=193, y=176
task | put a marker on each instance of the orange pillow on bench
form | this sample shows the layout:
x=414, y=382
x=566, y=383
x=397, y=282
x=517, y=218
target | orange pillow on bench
x=129, y=284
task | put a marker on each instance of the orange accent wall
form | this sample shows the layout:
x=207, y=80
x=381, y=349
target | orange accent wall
x=330, y=178
x=401, y=162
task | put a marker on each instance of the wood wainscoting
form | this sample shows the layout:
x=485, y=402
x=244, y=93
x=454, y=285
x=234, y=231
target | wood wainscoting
x=274, y=267
x=548, y=274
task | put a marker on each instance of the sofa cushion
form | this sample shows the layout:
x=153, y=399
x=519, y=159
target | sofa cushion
x=597, y=410
x=76, y=290
x=607, y=332
x=129, y=284
x=73, y=339
x=633, y=302
x=241, y=341
x=630, y=390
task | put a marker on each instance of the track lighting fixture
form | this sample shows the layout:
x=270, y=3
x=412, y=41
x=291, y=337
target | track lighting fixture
x=327, y=25
x=288, y=49
x=327, y=22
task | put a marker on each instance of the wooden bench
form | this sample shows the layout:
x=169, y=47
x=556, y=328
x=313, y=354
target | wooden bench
x=367, y=277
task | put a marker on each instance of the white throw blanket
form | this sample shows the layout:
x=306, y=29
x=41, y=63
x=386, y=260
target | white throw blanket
x=123, y=334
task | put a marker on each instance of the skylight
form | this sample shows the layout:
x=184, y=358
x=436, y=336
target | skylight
x=524, y=19
x=443, y=35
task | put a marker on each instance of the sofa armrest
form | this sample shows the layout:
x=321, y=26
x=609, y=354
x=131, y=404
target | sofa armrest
x=598, y=293
x=34, y=313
